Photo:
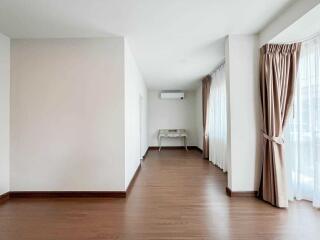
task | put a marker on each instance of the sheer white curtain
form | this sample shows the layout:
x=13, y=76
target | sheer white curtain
x=302, y=134
x=217, y=119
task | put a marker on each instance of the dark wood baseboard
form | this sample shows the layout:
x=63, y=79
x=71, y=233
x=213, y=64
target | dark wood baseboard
x=130, y=186
x=241, y=194
x=71, y=194
x=62, y=194
x=67, y=194
x=4, y=197
x=228, y=192
x=195, y=148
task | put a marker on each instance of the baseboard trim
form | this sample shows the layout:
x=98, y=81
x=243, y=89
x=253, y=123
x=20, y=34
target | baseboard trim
x=133, y=179
x=67, y=194
x=241, y=194
x=71, y=194
x=4, y=197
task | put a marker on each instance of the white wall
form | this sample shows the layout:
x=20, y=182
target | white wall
x=172, y=114
x=198, y=116
x=67, y=115
x=135, y=98
x=242, y=58
x=228, y=151
x=4, y=112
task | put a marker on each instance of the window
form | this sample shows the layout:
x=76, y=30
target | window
x=217, y=119
x=302, y=133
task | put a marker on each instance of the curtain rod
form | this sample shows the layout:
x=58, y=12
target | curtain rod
x=217, y=67
x=309, y=38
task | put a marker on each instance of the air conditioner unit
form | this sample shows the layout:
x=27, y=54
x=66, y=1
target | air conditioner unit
x=174, y=95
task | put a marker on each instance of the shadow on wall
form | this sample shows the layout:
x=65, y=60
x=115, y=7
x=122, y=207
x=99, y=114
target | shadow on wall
x=258, y=120
x=211, y=53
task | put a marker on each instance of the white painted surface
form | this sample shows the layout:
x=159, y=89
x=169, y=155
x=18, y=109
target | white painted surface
x=305, y=27
x=244, y=112
x=135, y=98
x=175, y=42
x=67, y=115
x=4, y=112
x=284, y=20
x=198, y=116
x=228, y=152
x=172, y=114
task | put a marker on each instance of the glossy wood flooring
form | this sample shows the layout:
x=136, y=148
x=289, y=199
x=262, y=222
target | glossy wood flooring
x=177, y=195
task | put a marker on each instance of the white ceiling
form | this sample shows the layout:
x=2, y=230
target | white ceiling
x=175, y=42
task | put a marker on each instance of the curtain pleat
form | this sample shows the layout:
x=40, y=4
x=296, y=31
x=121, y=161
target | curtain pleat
x=206, y=83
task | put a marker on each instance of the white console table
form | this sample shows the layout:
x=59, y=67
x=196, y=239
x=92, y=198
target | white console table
x=173, y=133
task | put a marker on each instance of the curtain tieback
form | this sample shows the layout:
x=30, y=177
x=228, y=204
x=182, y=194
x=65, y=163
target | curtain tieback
x=275, y=139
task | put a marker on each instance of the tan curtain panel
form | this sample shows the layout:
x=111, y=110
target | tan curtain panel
x=206, y=83
x=278, y=70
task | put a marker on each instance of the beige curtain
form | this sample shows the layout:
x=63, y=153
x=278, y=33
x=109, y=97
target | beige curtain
x=206, y=83
x=278, y=70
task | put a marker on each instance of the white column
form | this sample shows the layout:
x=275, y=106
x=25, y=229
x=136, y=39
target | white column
x=242, y=67
x=4, y=112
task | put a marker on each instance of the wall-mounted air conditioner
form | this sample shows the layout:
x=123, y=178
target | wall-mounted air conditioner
x=174, y=95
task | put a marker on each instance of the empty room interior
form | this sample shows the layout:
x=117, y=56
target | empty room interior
x=173, y=119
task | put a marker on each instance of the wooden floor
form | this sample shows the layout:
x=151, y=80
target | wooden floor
x=177, y=195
